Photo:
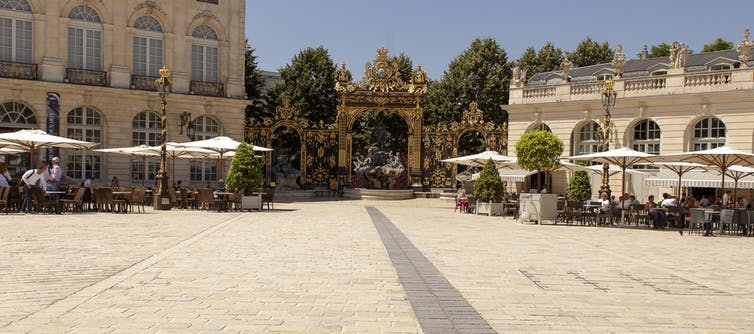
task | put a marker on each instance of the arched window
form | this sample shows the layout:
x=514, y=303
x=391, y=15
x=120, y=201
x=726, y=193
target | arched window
x=148, y=46
x=539, y=126
x=709, y=133
x=587, y=139
x=85, y=39
x=83, y=124
x=204, y=170
x=646, y=138
x=15, y=116
x=146, y=131
x=205, y=55
x=16, y=31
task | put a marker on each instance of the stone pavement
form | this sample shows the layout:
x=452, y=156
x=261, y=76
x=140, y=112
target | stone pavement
x=323, y=268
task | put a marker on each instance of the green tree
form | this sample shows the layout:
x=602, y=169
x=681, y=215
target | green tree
x=405, y=66
x=660, y=50
x=539, y=150
x=309, y=83
x=480, y=73
x=245, y=171
x=253, y=80
x=579, y=187
x=589, y=52
x=529, y=61
x=547, y=59
x=718, y=45
x=489, y=187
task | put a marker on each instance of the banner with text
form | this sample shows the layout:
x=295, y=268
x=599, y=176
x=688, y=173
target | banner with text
x=53, y=121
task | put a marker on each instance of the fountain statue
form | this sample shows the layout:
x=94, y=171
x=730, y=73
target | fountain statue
x=380, y=168
x=285, y=175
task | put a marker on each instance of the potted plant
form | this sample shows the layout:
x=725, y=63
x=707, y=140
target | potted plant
x=488, y=190
x=245, y=175
x=540, y=151
x=579, y=187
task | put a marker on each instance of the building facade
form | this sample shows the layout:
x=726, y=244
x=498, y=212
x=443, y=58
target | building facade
x=669, y=104
x=102, y=57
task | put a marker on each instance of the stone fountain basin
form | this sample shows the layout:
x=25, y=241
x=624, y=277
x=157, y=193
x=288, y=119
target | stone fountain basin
x=381, y=194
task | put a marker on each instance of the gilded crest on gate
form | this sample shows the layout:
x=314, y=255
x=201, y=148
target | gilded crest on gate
x=382, y=75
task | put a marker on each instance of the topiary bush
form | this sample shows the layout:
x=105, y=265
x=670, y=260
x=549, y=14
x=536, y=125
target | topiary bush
x=489, y=187
x=245, y=171
x=579, y=187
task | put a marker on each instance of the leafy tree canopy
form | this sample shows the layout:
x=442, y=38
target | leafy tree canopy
x=547, y=59
x=310, y=85
x=539, y=150
x=405, y=66
x=253, y=80
x=245, y=171
x=589, y=52
x=489, y=187
x=579, y=187
x=480, y=73
x=718, y=45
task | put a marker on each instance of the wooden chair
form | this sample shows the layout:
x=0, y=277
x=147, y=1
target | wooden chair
x=269, y=197
x=75, y=204
x=138, y=199
x=4, y=193
x=638, y=214
x=173, y=197
x=696, y=223
x=41, y=203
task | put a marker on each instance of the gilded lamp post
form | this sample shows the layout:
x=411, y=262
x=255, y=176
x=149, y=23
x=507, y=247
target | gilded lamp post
x=608, y=102
x=164, y=84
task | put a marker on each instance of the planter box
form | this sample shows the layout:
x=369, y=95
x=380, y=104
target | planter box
x=538, y=207
x=253, y=202
x=489, y=208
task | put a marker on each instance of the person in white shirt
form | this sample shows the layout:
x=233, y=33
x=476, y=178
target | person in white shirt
x=727, y=199
x=33, y=178
x=56, y=176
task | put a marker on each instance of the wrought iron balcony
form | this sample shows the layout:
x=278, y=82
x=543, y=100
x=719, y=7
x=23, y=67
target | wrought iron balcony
x=85, y=77
x=144, y=82
x=207, y=88
x=18, y=70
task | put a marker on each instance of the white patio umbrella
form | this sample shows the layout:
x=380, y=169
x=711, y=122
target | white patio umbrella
x=679, y=168
x=479, y=159
x=174, y=150
x=35, y=139
x=736, y=173
x=141, y=151
x=221, y=145
x=622, y=157
x=722, y=157
x=613, y=169
x=9, y=150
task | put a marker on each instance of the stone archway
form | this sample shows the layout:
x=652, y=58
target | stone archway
x=381, y=89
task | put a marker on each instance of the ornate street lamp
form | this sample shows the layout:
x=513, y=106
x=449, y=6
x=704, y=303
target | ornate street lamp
x=164, y=84
x=608, y=102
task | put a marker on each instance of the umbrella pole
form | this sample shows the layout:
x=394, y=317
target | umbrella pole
x=172, y=165
x=722, y=186
x=678, y=191
x=623, y=191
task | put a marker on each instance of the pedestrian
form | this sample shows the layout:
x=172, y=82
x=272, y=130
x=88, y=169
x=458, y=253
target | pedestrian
x=56, y=177
x=33, y=179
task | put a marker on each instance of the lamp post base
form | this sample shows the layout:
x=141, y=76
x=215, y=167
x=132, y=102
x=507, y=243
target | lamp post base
x=161, y=202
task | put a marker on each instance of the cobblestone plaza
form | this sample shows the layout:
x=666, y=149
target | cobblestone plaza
x=363, y=267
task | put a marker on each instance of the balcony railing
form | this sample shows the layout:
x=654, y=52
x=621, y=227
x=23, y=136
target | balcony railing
x=85, y=77
x=144, y=82
x=587, y=88
x=535, y=92
x=645, y=84
x=708, y=79
x=207, y=88
x=18, y=70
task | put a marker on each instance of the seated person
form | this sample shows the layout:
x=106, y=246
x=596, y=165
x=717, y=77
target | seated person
x=657, y=216
x=742, y=203
x=462, y=200
x=704, y=202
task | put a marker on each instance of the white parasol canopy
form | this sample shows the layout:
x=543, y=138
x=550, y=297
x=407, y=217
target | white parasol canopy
x=9, y=150
x=679, y=168
x=35, y=139
x=722, y=157
x=479, y=159
x=141, y=151
x=220, y=145
x=621, y=157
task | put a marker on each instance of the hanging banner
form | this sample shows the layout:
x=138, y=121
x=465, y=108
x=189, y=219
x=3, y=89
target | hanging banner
x=53, y=121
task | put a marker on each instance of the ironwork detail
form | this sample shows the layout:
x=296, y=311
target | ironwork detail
x=144, y=82
x=18, y=70
x=207, y=88
x=85, y=77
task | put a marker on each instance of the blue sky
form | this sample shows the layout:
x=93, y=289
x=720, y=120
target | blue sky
x=432, y=33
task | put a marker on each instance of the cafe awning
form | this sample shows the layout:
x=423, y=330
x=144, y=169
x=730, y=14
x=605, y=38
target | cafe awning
x=701, y=179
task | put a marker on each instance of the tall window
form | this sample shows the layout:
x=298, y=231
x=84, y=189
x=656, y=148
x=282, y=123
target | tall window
x=15, y=31
x=85, y=39
x=83, y=124
x=147, y=46
x=646, y=139
x=146, y=131
x=588, y=139
x=709, y=133
x=204, y=170
x=205, y=55
x=15, y=116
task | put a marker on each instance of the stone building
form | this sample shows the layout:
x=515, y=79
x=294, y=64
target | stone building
x=102, y=57
x=669, y=104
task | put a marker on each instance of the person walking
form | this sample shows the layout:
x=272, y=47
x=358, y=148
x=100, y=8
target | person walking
x=33, y=179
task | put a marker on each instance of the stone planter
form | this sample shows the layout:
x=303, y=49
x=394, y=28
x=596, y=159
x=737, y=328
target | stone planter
x=253, y=202
x=489, y=208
